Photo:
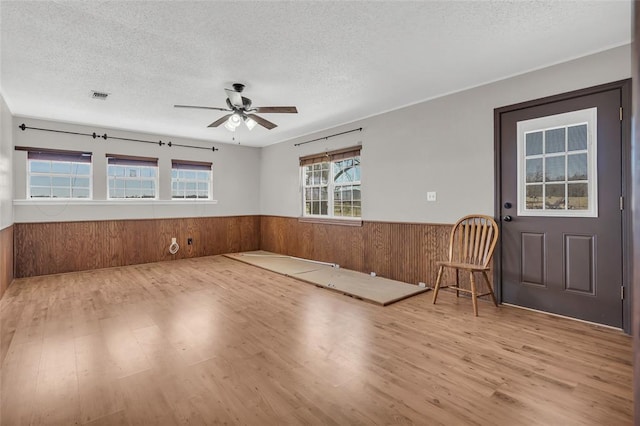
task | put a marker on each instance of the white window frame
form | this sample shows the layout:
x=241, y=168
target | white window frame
x=189, y=166
x=139, y=163
x=331, y=186
x=574, y=118
x=52, y=175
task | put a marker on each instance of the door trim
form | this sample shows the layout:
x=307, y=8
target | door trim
x=625, y=100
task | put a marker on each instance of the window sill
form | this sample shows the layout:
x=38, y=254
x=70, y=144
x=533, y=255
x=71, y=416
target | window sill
x=331, y=221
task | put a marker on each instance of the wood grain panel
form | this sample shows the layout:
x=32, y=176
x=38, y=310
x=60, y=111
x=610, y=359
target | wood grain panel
x=51, y=248
x=399, y=251
x=6, y=258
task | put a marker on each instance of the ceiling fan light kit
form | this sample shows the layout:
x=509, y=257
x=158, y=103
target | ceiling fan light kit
x=240, y=111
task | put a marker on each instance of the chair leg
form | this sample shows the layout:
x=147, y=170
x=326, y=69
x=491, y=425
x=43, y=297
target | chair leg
x=457, y=282
x=493, y=296
x=437, y=287
x=474, y=294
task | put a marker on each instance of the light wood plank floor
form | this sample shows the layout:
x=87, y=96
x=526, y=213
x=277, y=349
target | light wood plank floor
x=215, y=341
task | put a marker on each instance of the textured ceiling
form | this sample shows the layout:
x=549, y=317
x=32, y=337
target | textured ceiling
x=336, y=61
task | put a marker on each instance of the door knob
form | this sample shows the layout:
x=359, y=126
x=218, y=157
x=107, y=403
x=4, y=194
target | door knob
x=507, y=205
x=507, y=218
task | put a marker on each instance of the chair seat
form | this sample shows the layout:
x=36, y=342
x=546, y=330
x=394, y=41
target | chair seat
x=463, y=266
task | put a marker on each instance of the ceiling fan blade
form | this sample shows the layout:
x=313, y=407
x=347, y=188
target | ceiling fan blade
x=234, y=97
x=261, y=121
x=278, y=109
x=201, y=107
x=220, y=120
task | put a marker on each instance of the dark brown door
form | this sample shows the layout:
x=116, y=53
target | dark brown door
x=561, y=183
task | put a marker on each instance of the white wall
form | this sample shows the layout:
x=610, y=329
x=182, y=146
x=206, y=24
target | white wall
x=6, y=166
x=235, y=176
x=443, y=145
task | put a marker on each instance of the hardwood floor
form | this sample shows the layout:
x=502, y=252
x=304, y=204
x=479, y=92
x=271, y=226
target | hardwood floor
x=212, y=341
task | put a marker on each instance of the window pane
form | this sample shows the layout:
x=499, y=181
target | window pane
x=577, y=198
x=61, y=181
x=61, y=192
x=323, y=207
x=203, y=186
x=132, y=172
x=40, y=181
x=357, y=209
x=82, y=169
x=577, y=137
x=80, y=193
x=554, y=169
x=533, y=142
x=40, y=166
x=308, y=176
x=80, y=182
x=132, y=184
x=356, y=193
x=324, y=195
x=146, y=184
x=577, y=167
x=174, y=173
x=534, y=170
x=315, y=207
x=307, y=208
x=190, y=174
x=37, y=192
x=554, y=196
x=534, y=197
x=58, y=167
x=554, y=140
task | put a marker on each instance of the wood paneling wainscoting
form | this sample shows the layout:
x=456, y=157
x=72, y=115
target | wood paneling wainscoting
x=401, y=251
x=56, y=247
x=6, y=258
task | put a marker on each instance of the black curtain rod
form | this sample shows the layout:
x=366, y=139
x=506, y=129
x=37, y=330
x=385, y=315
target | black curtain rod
x=330, y=136
x=105, y=137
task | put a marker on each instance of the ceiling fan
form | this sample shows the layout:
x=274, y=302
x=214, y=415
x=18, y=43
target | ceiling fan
x=240, y=111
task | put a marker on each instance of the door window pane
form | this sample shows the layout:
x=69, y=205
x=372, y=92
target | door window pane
x=554, y=196
x=534, y=197
x=554, y=169
x=577, y=196
x=577, y=138
x=577, y=167
x=534, y=170
x=534, y=143
x=554, y=141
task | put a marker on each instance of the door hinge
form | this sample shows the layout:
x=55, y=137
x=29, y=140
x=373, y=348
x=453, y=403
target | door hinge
x=621, y=203
x=620, y=113
x=621, y=292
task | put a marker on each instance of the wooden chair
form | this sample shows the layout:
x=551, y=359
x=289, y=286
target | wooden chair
x=471, y=246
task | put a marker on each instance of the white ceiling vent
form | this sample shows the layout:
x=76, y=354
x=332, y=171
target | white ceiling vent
x=99, y=95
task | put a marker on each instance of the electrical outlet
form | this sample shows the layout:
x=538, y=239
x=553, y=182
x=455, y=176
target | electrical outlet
x=431, y=196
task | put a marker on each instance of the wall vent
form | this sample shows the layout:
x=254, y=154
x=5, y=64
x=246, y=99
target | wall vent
x=99, y=95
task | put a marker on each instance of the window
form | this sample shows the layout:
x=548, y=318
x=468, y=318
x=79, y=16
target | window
x=58, y=174
x=557, y=165
x=190, y=180
x=331, y=184
x=132, y=177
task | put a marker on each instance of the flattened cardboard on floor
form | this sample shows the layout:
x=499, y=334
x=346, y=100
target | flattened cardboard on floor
x=378, y=290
